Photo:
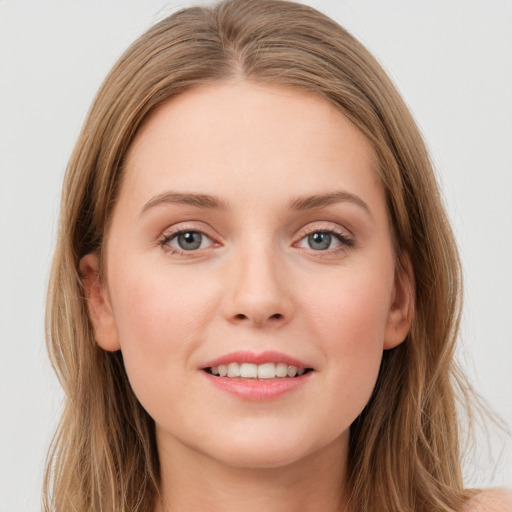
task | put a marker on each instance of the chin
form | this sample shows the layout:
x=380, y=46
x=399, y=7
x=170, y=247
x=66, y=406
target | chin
x=258, y=458
x=269, y=450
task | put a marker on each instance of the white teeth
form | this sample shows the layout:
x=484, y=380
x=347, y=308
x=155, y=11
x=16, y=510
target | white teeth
x=255, y=371
x=248, y=370
x=281, y=370
x=292, y=371
x=267, y=371
x=233, y=370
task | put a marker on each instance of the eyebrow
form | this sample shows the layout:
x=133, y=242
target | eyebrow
x=323, y=200
x=209, y=202
x=198, y=200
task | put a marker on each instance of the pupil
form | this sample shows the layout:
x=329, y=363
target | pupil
x=320, y=241
x=189, y=241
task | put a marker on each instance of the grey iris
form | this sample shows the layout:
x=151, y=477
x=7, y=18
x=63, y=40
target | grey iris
x=319, y=241
x=190, y=240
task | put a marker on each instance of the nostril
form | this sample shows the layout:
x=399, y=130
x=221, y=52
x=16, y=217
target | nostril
x=275, y=316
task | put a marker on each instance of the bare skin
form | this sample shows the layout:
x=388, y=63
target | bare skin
x=490, y=500
x=189, y=485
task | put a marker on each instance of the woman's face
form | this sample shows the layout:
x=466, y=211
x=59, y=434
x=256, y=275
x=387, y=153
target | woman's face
x=250, y=235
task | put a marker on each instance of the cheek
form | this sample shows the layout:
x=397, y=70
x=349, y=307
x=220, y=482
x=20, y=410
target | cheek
x=352, y=311
x=160, y=319
x=350, y=320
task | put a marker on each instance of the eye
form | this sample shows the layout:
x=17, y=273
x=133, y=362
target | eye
x=323, y=240
x=186, y=241
x=319, y=240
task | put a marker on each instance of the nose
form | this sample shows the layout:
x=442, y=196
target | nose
x=259, y=291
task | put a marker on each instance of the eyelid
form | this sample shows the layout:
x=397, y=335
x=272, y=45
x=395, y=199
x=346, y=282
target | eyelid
x=184, y=227
x=345, y=237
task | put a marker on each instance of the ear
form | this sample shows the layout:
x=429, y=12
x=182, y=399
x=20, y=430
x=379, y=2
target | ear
x=98, y=304
x=401, y=311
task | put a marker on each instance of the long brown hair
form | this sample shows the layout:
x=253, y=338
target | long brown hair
x=404, y=447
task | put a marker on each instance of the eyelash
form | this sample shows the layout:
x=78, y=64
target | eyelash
x=346, y=242
x=167, y=238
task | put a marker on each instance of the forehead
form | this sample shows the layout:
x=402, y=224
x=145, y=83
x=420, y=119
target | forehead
x=244, y=138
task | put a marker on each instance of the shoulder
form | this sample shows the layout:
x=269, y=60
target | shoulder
x=490, y=500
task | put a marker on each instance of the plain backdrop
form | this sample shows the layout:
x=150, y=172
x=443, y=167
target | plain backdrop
x=451, y=60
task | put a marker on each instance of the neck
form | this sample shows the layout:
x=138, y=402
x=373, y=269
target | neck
x=193, y=481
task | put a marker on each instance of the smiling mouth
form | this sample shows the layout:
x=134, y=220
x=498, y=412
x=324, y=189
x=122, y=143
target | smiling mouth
x=264, y=371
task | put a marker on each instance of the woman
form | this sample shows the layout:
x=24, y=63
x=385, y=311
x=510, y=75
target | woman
x=255, y=295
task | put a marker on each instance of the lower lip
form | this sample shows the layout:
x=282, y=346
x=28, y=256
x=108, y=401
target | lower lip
x=258, y=390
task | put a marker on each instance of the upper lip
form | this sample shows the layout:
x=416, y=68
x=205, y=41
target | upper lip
x=268, y=356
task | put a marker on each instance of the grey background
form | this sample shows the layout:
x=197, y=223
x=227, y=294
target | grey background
x=452, y=61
